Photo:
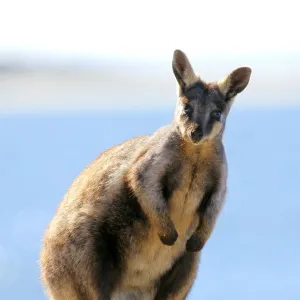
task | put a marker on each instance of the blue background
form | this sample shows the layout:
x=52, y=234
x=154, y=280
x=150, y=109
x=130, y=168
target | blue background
x=254, y=252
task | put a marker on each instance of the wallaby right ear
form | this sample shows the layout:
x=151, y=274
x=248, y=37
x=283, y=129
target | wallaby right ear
x=183, y=70
x=235, y=82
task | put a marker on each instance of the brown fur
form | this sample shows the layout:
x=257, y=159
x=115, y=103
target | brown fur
x=133, y=222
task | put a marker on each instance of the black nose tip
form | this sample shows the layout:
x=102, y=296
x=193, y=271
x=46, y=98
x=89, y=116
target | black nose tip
x=197, y=135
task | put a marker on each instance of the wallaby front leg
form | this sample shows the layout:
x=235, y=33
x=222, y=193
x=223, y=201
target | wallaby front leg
x=145, y=180
x=157, y=212
x=208, y=213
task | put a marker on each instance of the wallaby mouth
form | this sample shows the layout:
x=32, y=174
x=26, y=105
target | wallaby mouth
x=196, y=141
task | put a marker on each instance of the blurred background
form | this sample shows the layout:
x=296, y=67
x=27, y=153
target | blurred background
x=77, y=77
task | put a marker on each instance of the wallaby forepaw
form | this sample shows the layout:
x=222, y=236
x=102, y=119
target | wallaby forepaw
x=194, y=244
x=169, y=239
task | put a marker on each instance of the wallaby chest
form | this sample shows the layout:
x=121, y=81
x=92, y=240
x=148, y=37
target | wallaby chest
x=185, y=186
x=199, y=172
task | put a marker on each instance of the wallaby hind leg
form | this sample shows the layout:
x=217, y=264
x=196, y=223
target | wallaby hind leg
x=62, y=290
x=90, y=287
x=72, y=291
x=86, y=266
x=65, y=293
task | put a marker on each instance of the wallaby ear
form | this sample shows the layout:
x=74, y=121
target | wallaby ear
x=235, y=82
x=183, y=70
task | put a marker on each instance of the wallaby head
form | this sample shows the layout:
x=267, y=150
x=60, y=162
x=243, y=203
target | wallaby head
x=202, y=108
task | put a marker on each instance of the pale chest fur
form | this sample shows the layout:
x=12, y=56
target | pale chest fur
x=149, y=259
x=186, y=199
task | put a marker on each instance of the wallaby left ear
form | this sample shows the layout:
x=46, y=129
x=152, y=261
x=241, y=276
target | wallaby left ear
x=183, y=70
x=235, y=82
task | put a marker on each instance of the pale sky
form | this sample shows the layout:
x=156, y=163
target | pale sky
x=140, y=29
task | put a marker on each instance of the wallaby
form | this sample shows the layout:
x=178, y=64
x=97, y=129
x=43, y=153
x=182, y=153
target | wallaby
x=132, y=224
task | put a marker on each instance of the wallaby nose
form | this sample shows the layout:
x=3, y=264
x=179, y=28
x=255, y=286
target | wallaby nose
x=197, y=135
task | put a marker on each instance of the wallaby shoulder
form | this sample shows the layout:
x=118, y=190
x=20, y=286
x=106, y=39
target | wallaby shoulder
x=106, y=174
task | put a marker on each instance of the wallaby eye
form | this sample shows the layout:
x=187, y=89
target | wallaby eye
x=188, y=109
x=216, y=115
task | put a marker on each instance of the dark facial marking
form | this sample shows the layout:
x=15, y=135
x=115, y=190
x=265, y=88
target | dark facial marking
x=203, y=107
x=204, y=95
x=195, y=88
